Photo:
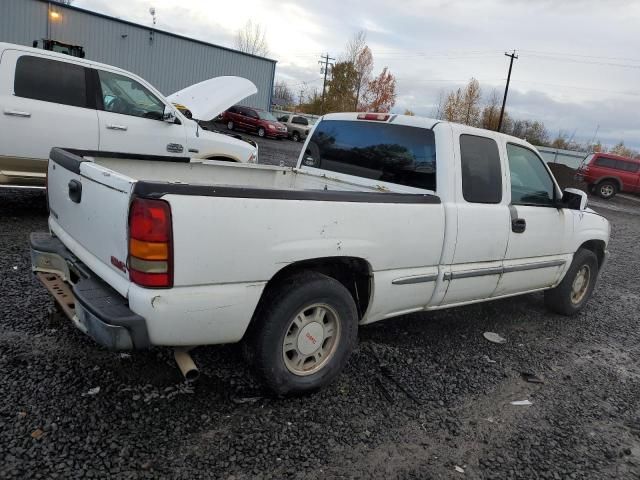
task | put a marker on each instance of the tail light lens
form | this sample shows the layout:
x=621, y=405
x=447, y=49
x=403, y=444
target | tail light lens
x=150, y=243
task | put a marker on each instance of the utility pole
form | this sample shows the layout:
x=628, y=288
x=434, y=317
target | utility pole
x=513, y=57
x=325, y=70
x=300, y=99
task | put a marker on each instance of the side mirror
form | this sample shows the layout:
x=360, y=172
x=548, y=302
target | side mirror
x=169, y=116
x=574, y=199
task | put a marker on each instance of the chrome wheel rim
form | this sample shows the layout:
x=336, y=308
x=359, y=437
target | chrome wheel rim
x=311, y=339
x=230, y=125
x=580, y=284
x=261, y=132
x=606, y=190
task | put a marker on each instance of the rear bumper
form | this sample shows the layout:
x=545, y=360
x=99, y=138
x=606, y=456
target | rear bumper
x=96, y=309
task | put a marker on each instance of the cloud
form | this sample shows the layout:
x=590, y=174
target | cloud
x=578, y=64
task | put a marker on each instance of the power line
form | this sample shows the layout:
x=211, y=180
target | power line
x=556, y=54
x=587, y=62
x=513, y=56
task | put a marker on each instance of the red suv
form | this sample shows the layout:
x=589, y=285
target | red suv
x=254, y=120
x=608, y=174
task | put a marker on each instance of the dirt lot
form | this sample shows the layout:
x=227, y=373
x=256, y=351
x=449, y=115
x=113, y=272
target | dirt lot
x=422, y=395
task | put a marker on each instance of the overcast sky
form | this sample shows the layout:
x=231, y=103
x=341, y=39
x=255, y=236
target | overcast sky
x=579, y=65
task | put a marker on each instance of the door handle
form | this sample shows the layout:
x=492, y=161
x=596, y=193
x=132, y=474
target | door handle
x=518, y=225
x=111, y=126
x=17, y=113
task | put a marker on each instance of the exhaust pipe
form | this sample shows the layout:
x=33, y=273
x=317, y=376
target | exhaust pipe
x=186, y=364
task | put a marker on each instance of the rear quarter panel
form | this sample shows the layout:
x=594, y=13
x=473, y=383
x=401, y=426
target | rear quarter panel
x=221, y=240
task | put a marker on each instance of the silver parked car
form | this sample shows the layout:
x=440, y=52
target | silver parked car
x=297, y=126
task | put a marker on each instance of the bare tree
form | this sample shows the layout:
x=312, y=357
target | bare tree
x=252, y=39
x=438, y=109
x=359, y=54
x=471, y=103
x=453, y=106
x=491, y=112
x=282, y=91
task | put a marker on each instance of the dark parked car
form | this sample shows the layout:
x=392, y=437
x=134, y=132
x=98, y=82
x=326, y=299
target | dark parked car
x=608, y=174
x=254, y=120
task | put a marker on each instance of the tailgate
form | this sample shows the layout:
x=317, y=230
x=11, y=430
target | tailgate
x=89, y=206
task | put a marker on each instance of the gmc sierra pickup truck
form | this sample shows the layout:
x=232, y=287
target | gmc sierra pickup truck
x=382, y=216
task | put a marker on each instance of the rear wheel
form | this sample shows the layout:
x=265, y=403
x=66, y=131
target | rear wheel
x=571, y=295
x=230, y=125
x=607, y=189
x=304, y=333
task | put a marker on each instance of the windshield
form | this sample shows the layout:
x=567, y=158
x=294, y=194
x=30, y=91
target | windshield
x=267, y=116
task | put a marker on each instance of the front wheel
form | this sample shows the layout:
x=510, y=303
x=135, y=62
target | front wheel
x=303, y=333
x=296, y=137
x=261, y=132
x=571, y=295
x=230, y=125
x=607, y=189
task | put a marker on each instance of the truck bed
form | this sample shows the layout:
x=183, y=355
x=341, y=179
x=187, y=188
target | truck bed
x=202, y=173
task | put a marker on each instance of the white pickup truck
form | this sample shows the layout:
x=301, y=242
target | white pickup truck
x=49, y=99
x=383, y=215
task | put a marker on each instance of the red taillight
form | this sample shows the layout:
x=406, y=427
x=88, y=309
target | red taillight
x=150, y=243
x=380, y=117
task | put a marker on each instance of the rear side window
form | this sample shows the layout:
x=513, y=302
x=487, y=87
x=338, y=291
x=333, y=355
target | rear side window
x=481, y=172
x=606, y=162
x=50, y=81
x=300, y=121
x=617, y=164
x=379, y=151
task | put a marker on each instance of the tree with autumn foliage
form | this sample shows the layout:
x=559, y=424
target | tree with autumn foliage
x=380, y=95
x=341, y=96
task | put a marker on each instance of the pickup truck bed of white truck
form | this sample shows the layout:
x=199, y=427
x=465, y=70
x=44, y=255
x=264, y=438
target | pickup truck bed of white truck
x=245, y=248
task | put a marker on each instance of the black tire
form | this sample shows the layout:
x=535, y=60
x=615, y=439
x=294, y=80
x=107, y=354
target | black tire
x=296, y=137
x=261, y=132
x=561, y=298
x=264, y=343
x=607, y=189
x=230, y=125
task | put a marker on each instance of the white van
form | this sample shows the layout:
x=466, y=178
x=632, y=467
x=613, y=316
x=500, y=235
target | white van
x=48, y=99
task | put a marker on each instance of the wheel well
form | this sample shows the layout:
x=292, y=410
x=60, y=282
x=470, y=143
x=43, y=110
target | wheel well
x=597, y=247
x=352, y=272
x=610, y=179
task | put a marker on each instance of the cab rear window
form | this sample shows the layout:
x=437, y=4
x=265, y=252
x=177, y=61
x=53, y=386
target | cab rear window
x=380, y=151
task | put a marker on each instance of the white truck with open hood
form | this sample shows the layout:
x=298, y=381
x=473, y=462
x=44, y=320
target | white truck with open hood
x=384, y=215
x=48, y=99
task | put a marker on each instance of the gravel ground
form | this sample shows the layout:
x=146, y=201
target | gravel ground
x=422, y=395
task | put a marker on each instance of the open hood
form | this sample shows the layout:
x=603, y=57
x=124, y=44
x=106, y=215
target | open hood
x=208, y=99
